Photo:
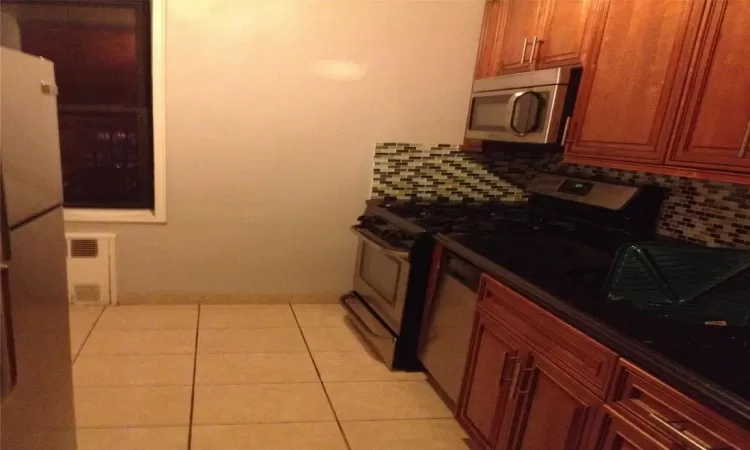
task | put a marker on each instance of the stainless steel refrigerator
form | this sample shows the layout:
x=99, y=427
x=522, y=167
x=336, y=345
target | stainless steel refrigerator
x=36, y=379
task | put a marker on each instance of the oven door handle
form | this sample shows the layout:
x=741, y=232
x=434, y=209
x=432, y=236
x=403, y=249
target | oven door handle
x=374, y=240
x=352, y=314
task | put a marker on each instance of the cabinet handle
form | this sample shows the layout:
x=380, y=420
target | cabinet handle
x=515, y=392
x=515, y=361
x=745, y=141
x=534, y=44
x=683, y=434
x=513, y=386
x=523, y=52
x=526, y=386
x=565, y=131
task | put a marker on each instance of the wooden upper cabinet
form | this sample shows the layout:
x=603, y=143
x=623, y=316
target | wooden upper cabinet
x=487, y=60
x=716, y=131
x=631, y=84
x=565, y=33
x=494, y=358
x=552, y=410
x=523, y=35
x=522, y=20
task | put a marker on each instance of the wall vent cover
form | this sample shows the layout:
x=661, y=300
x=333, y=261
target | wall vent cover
x=87, y=294
x=91, y=268
x=84, y=248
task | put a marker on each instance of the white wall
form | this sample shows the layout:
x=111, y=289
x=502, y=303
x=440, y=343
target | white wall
x=273, y=111
x=10, y=34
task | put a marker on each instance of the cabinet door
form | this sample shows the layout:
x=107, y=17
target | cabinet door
x=630, y=89
x=551, y=410
x=522, y=18
x=716, y=134
x=619, y=431
x=487, y=60
x=565, y=33
x=493, y=363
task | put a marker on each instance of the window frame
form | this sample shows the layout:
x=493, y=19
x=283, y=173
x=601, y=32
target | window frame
x=157, y=214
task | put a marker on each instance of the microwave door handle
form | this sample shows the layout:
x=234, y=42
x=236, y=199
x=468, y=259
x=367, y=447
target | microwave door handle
x=512, y=103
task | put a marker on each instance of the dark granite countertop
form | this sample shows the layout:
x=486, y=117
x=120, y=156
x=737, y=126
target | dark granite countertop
x=719, y=379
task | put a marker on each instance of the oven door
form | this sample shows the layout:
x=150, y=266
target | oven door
x=530, y=115
x=381, y=276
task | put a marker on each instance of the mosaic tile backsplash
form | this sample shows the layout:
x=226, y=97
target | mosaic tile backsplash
x=699, y=211
x=425, y=172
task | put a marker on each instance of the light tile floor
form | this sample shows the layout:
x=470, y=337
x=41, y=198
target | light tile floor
x=244, y=377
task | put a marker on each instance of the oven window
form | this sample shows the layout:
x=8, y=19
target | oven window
x=380, y=272
x=490, y=113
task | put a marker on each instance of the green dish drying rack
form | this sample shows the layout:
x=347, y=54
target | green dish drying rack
x=684, y=283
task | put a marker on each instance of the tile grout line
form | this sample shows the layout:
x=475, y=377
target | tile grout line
x=325, y=391
x=249, y=383
x=192, y=389
x=88, y=335
x=213, y=424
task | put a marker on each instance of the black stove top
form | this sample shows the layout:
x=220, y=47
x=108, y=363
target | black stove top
x=447, y=217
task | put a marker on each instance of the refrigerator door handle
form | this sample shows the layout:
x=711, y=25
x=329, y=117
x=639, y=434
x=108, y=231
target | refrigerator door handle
x=8, y=362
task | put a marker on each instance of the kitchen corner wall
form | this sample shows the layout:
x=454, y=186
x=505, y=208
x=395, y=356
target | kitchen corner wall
x=273, y=111
x=698, y=211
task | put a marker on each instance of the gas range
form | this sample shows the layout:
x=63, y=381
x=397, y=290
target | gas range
x=414, y=218
x=392, y=266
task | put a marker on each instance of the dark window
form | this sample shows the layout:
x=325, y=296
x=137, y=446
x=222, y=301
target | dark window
x=102, y=55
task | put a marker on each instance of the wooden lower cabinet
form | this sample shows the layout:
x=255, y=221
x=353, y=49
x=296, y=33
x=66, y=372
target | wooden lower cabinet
x=620, y=430
x=515, y=398
x=551, y=410
x=522, y=393
x=592, y=363
x=494, y=362
x=671, y=414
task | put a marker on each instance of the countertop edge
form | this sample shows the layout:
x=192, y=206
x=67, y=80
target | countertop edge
x=704, y=391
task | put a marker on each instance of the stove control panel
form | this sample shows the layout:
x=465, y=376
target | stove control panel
x=596, y=193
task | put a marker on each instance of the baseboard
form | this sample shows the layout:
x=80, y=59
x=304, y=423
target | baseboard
x=226, y=299
x=160, y=299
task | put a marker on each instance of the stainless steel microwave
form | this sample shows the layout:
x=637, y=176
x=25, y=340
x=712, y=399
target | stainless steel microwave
x=532, y=107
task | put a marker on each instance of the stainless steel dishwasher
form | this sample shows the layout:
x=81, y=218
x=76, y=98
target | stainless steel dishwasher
x=450, y=318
